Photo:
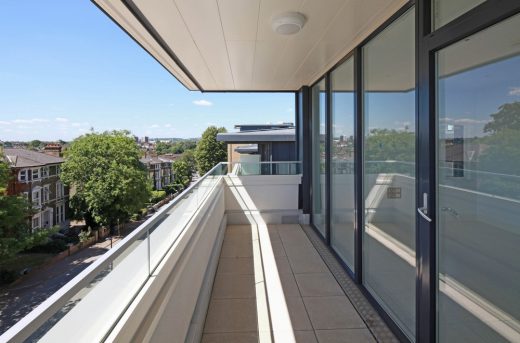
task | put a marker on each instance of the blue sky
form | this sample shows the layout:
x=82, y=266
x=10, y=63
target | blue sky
x=66, y=67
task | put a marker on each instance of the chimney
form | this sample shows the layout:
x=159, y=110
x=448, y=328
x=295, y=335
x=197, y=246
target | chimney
x=52, y=149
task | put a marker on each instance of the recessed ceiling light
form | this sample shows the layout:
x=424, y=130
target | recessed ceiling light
x=288, y=23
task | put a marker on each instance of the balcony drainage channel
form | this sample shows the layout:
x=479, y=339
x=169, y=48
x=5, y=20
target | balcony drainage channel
x=373, y=320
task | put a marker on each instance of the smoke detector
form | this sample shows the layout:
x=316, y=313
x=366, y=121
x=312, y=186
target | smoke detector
x=288, y=23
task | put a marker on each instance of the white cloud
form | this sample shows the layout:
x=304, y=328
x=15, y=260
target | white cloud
x=29, y=121
x=464, y=121
x=5, y=122
x=203, y=103
x=61, y=120
x=154, y=126
x=514, y=91
x=168, y=125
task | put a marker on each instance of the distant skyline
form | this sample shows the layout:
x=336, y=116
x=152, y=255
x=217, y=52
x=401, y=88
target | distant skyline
x=65, y=67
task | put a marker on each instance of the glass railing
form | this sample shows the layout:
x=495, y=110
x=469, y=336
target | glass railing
x=116, y=278
x=267, y=168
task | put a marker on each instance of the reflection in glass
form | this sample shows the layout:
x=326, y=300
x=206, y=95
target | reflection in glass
x=445, y=11
x=389, y=164
x=342, y=219
x=319, y=204
x=478, y=151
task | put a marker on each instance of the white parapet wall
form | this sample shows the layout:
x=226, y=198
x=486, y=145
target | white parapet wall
x=274, y=197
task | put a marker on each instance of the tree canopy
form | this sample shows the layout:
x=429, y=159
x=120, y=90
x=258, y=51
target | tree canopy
x=183, y=169
x=209, y=152
x=175, y=147
x=109, y=180
x=507, y=118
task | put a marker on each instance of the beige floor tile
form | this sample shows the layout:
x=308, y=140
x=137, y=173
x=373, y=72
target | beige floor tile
x=239, y=337
x=282, y=264
x=289, y=286
x=236, y=265
x=231, y=315
x=238, y=228
x=309, y=262
x=345, y=336
x=231, y=286
x=298, y=314
x=237, y=237
x=237, y=249
x=318, y=284
x=305, y=337
x=334, y=312
x=277, y=247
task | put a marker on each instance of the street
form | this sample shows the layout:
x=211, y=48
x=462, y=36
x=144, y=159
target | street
x=18, y=300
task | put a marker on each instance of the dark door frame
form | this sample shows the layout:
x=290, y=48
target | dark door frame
x=428, y=43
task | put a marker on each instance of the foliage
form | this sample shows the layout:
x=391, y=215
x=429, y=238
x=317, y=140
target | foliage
x=85, y=235
x=175, y=147
x=507, y=118
x=383, y=145
x=35, y=144
x=110, y=182
x=500, y=153
x=209, y=152
x=182, y=174
x=52, y=246
x=157, y=196
x=15, y=211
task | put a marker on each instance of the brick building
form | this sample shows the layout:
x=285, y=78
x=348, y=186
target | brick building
x=37, y=176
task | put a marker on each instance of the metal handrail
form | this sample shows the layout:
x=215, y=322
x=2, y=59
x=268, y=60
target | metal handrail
x=37, y=317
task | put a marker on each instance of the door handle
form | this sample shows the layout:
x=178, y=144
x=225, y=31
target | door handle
x=423, y=211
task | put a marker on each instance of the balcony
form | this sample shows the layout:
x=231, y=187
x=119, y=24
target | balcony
x=229, y=260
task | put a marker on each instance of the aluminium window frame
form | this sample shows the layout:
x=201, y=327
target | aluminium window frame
x=428, y=42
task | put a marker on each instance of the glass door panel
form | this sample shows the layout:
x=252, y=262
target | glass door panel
x=319, y=203
x=478, y=185
x=342, y=219
x=389, y=170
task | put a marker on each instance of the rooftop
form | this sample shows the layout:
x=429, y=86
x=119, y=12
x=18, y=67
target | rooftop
x=274, y=135
x=20, y=158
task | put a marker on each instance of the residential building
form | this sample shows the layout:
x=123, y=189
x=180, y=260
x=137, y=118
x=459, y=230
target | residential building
x=398, y=232
x=160, y=170
x=36, y=175
x=261, y=143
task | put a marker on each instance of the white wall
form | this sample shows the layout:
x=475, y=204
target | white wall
x=274, y=197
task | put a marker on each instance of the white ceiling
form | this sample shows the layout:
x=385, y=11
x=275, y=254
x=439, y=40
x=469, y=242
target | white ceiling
x=229, y=44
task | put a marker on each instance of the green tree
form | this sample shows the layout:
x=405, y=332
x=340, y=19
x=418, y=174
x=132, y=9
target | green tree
x=109, y=181
x=209, y=152
x=182, y=174
x=383, y=145
x=507, y=117
x=500, y=152
x=35, y=144
x=15, y=211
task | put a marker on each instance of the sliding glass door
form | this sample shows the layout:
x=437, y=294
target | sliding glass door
x=319, y=199
x=478, y=173
x=342, y=221
x=389, y=271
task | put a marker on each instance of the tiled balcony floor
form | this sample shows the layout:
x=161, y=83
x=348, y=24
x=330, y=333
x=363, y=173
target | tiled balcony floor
x=317, y=304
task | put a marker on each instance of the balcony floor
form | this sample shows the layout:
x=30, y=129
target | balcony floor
x=305, y=281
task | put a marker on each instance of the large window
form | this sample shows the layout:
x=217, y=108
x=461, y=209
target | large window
x=342, y=219
x=478, y=213
x=389, y=165
x=319, y=203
